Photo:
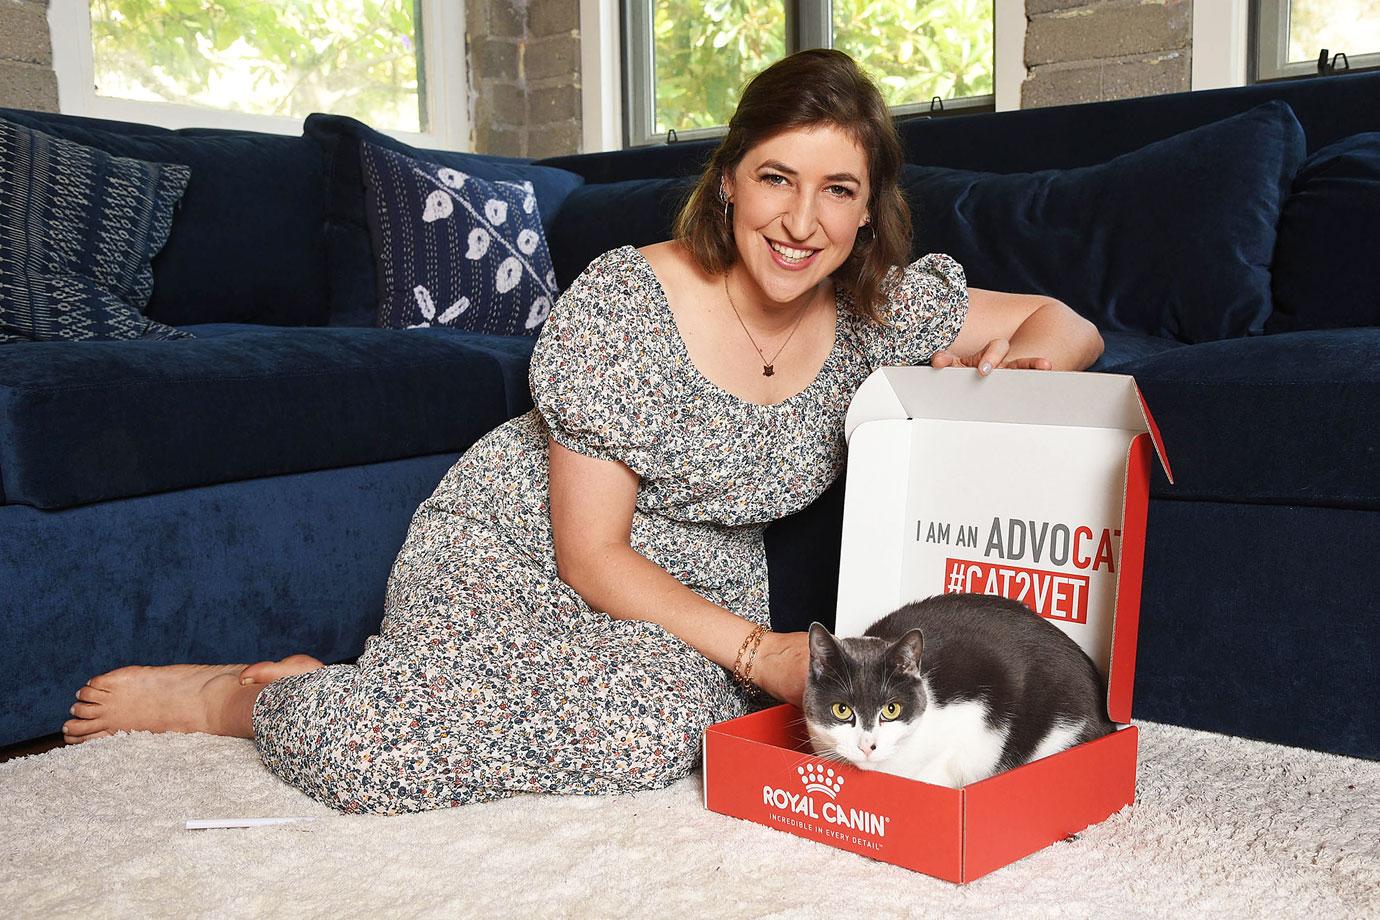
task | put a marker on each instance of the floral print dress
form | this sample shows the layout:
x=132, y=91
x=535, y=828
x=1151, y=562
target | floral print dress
x=489, y=675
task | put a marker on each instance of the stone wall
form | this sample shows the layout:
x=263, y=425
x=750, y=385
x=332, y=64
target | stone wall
x=1094, y=50
x=27, y=80
x=524, y=74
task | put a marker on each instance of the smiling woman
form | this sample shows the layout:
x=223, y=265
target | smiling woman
x=586, y=590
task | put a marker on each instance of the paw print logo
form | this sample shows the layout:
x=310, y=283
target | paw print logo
x=819, y=778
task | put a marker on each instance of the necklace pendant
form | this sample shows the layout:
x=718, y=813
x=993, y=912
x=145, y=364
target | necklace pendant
x=767, y=370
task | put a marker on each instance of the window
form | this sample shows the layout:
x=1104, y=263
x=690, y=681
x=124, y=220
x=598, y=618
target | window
x=263, y=66
x=1291, y=34
x=687, y=61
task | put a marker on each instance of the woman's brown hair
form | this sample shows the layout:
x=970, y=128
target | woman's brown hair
x=810, y=88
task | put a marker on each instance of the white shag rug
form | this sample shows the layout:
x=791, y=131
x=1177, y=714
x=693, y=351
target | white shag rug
x=1222, y=827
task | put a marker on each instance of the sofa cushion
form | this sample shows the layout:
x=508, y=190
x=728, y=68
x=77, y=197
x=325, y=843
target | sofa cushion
x=603, y=216
x=455, y=250
x=93, y=421
x=1123, y=347
x=79, y=228
x=1325, y=272
x=1173, y=240
x=1287, y=418
x=246, y=244
x=353, y=282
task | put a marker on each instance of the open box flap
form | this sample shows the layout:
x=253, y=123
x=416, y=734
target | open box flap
x=1015, y=396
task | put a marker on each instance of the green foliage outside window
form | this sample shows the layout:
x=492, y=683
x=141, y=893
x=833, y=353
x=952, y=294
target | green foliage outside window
x=916, y=51
x=707, y=51
x=705, y=54
x=289, y=57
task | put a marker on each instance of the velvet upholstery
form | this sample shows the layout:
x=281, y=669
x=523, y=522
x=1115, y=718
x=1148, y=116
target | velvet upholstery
x=597, y=218
x=110, y=420
x=1120, y=348
x=349, y=254
x=1259, y=620
x=242, y=571
x=1172, y=240
x=1325, y=273
x=1279, y=419
x=246, y=243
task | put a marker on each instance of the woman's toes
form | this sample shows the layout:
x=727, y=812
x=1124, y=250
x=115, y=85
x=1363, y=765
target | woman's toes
x=256, y=673
x=86, y=710
x=112, y=681
x=90, y=694
x=78, y=739
x=79, y=728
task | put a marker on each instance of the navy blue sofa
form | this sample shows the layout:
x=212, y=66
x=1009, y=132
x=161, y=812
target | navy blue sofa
x=242, y=495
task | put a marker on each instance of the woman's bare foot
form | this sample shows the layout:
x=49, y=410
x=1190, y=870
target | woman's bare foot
x=176, y=698
x=266, y=672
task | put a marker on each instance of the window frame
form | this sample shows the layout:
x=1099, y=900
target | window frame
x=444, y=82
x=809, y=24
x=1269, y=46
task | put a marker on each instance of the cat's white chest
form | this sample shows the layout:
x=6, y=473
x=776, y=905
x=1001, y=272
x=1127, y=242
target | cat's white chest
x=951, y=745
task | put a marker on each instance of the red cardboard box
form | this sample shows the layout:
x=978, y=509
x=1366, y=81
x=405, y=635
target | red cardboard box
x=1029, y=484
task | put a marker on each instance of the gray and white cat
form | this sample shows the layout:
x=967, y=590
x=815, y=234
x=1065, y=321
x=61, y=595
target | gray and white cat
x=951, y=690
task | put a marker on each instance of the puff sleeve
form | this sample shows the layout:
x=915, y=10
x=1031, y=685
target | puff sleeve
x=928, y=304
x=592, y=376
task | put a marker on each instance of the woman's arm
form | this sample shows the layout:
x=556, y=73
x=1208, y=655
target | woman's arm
x=591, y=523
x=1021, y=330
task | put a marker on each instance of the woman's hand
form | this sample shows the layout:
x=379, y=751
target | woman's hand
x=993, y=354
x=782, y=664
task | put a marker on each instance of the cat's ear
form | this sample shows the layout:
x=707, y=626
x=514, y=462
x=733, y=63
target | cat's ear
x=904, y=654
x=823, y=648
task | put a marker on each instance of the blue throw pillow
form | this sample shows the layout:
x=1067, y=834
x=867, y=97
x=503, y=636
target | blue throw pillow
x=1326, y=275
x=599, y=216
x=1172, y=240
x=79, y=229
x=455, y=250
x=348, y=261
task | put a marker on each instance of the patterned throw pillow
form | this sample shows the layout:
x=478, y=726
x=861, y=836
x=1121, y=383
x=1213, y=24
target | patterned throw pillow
x=455, y=250
x=78, y=231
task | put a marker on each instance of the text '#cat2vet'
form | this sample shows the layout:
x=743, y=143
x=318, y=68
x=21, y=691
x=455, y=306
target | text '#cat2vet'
x=1055, y=595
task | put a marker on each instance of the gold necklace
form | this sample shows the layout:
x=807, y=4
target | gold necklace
x=768, y=367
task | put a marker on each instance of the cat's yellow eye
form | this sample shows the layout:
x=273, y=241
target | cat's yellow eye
x=891, y=711
x=843, y=712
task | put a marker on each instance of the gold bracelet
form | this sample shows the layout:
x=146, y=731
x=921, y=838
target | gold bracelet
x=742, y=675
x=737, y=662
x=752, y=654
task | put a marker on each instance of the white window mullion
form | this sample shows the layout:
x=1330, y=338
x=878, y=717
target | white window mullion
x=601, y=76
x=447, y=77
x=1008, y=53
x=69, y=23
x=1219, y=44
